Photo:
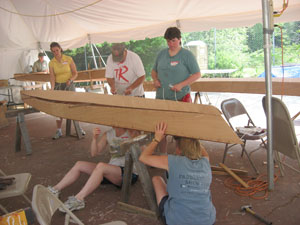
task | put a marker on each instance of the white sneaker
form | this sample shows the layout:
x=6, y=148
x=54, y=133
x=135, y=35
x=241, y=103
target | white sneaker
x=57, y=135
x=72, y=204
x=53, y=191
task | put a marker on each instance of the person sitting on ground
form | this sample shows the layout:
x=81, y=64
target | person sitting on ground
x=186, y=198
x=101, y=173
x=40, y=65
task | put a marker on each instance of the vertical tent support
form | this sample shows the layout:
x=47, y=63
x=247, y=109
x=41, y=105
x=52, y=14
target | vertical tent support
x=102, y=60
x=268, y=28
x=94, y=57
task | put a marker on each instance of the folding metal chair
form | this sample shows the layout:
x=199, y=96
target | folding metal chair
x=284, y=136
x=18, y=187
x=233, y=109
x=44, y=205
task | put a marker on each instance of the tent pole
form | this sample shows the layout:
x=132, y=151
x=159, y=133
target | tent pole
x=268, y=28
x=94, y=57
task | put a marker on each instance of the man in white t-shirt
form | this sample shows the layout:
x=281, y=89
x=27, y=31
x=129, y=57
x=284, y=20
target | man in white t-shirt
x=125, y=72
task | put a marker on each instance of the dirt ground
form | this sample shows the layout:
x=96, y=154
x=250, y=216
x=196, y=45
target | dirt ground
x=51, y=159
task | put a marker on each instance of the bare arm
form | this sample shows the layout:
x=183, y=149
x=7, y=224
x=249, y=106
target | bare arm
x=97, y=147
x=191, y=79
x=134, y=85
x=52, y=78
x=156, y=81
x=204, y=153
x=74, y=73
x=147, y=156
x=111, y=83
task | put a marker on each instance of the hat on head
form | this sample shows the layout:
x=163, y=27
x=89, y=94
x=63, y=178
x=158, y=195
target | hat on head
x=41, y=54
x=117, y=51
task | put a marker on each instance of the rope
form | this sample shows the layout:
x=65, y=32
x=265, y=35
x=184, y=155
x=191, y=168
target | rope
x=51, y=15
x=258, y=187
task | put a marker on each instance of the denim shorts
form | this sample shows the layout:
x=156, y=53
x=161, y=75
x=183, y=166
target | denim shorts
x=134, y=178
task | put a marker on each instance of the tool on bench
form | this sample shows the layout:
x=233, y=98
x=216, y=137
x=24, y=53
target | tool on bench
x=248, y=208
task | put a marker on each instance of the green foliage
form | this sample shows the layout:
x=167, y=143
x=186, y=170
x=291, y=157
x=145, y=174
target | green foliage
x=255, y=38
x=236, y=48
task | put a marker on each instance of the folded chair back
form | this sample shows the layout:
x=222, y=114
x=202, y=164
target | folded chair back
x=284, y=136
x=44, y=205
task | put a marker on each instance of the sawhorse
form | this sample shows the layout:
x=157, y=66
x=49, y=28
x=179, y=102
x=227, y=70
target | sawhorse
x=132, y=157
x=21, y=129
x=198, y=97
x=76, y=126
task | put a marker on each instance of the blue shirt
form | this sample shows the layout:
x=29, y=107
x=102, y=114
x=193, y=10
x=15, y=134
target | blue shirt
x=189, y=201
x=172, y=70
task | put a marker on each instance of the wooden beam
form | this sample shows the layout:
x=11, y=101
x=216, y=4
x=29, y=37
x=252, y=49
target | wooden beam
x=83, y=76
x=290, y=86
x=187, y=120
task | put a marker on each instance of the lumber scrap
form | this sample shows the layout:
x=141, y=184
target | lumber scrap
x=83, y=76
x=187, y=120
x=236, y=177
x=236, y=171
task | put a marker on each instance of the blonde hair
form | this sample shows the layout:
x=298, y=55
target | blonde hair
x=190, y=148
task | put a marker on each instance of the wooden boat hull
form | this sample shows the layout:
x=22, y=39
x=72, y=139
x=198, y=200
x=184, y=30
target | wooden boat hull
x=187, y=120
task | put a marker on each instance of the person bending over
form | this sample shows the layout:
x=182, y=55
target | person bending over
x=186, y=198
x=100, y=173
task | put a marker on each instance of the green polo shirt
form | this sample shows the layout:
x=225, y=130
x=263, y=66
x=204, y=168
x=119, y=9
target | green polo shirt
x=173, y=70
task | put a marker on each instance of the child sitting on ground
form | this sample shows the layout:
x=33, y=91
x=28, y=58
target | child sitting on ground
x=186, y=198
x=100, y=173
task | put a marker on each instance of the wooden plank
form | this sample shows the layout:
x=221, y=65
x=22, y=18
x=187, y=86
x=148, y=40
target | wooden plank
x=15, y=112
x=127, y=178
x=187, y=120
x=21, y=131
x=290, y=86
x=135, y=209
x=3, y=119
x=237, y=171
x=236, y=177
x=144, y=177
x=85, y=75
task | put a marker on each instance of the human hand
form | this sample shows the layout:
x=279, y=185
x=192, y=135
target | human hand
x=96, y=132
x=176, y=87
x=113, y=90
x=128, y=91
x=156, y=83
x=69, y=82
x=160, y=129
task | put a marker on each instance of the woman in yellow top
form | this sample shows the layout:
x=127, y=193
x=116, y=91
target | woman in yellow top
x=62, y=74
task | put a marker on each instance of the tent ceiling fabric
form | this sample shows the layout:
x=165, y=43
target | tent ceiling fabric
x=26, y=23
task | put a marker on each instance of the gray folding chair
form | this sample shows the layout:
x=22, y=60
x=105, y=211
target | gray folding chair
x=284, y=136
x=44, y=205
x=18, y=187
x=244, y=127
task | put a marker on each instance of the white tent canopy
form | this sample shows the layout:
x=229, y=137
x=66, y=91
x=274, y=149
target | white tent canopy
x=28, y=25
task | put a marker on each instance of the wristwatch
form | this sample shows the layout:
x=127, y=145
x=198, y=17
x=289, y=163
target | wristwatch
x=155, y=140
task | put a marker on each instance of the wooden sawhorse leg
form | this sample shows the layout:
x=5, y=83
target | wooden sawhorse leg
x=76, y=126
x=21, y=131
x=132, y=156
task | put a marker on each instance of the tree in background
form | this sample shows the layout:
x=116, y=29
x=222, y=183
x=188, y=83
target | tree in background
x=235, y=48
